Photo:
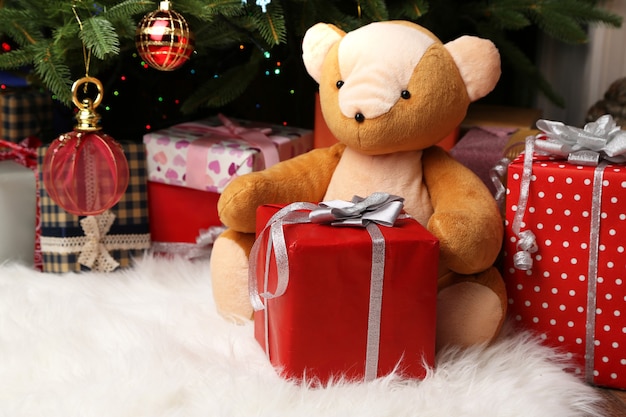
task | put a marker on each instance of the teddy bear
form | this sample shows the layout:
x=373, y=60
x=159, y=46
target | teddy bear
x=389, y=92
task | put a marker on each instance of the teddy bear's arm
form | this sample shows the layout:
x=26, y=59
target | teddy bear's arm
x=303, y=178
x=466, y=218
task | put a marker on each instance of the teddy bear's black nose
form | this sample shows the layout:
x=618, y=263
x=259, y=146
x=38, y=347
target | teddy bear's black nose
x=359, y=117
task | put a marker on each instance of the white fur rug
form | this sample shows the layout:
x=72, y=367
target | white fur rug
x=147, y=342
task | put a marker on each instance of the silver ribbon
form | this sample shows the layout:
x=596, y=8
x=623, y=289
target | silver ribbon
x=201, y=249
x=592, y=271
x=496, y=173
x=598, y=141
x=526, y=242
x=377, y=209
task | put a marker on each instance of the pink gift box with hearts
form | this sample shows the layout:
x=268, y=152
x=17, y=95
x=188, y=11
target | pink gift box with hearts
x=207, y=154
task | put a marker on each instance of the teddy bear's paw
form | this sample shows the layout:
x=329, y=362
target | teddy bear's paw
x=229, y=278
x=471, y=310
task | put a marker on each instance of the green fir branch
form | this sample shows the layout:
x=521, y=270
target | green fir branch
x=54, y=73
x=16, y=58
x=338, y=17
x=207, y=11
x=124, y=9
x=411, y=10
x=20, y=26
x=221, y=33
x=520, y=62
x=373, y=10
x=46, y=33
x=218, y=92
x=509, y=19
x=100, y=37
x=563, y=28
x=270, y=24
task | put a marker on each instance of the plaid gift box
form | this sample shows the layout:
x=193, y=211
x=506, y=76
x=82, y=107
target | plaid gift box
x=24, y=113
x=68, y=244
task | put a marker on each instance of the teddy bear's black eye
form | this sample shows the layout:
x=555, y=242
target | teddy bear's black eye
x=405, y=94
x=339, y=84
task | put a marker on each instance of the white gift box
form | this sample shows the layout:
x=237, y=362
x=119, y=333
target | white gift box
x=18, y=206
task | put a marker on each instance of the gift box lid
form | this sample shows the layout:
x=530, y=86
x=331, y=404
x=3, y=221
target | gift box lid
x=207, y=154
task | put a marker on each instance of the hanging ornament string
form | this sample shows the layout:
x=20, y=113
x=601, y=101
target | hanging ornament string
x=85, y=171
x=86, y=52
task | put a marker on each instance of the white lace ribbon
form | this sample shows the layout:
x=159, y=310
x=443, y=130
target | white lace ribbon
x=95, y=245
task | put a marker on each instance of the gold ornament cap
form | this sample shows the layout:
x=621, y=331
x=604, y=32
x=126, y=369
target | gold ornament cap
x=87, y=117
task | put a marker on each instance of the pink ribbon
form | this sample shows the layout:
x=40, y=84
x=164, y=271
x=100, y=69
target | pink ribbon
x=256, y=137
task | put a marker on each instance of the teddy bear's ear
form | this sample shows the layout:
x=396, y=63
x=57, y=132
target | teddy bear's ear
x=317, y=41
x=478, y=61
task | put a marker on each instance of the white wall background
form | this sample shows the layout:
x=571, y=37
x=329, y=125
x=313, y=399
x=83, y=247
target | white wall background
x=583, y=73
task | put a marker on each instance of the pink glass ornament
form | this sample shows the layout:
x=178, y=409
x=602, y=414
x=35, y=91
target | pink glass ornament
x=85, y=171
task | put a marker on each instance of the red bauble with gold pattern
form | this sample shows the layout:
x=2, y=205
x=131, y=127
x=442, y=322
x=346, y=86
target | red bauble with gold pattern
x=163, y=39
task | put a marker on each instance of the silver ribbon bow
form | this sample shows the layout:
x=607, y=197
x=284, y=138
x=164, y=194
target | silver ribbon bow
x=599, y=140
x=377, y=209
x=94, y=252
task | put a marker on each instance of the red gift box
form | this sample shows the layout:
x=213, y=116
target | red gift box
x=194, y=162
x=573, y=293
x=318, y=329
x=178, y=216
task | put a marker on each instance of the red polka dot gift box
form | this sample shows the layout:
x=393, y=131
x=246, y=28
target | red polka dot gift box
x=565, y=261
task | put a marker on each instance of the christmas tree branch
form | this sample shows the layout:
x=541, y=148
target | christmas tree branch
x=47, y=36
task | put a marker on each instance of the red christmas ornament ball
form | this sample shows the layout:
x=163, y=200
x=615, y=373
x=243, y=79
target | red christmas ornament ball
x=85, y=173
x=163, y=39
